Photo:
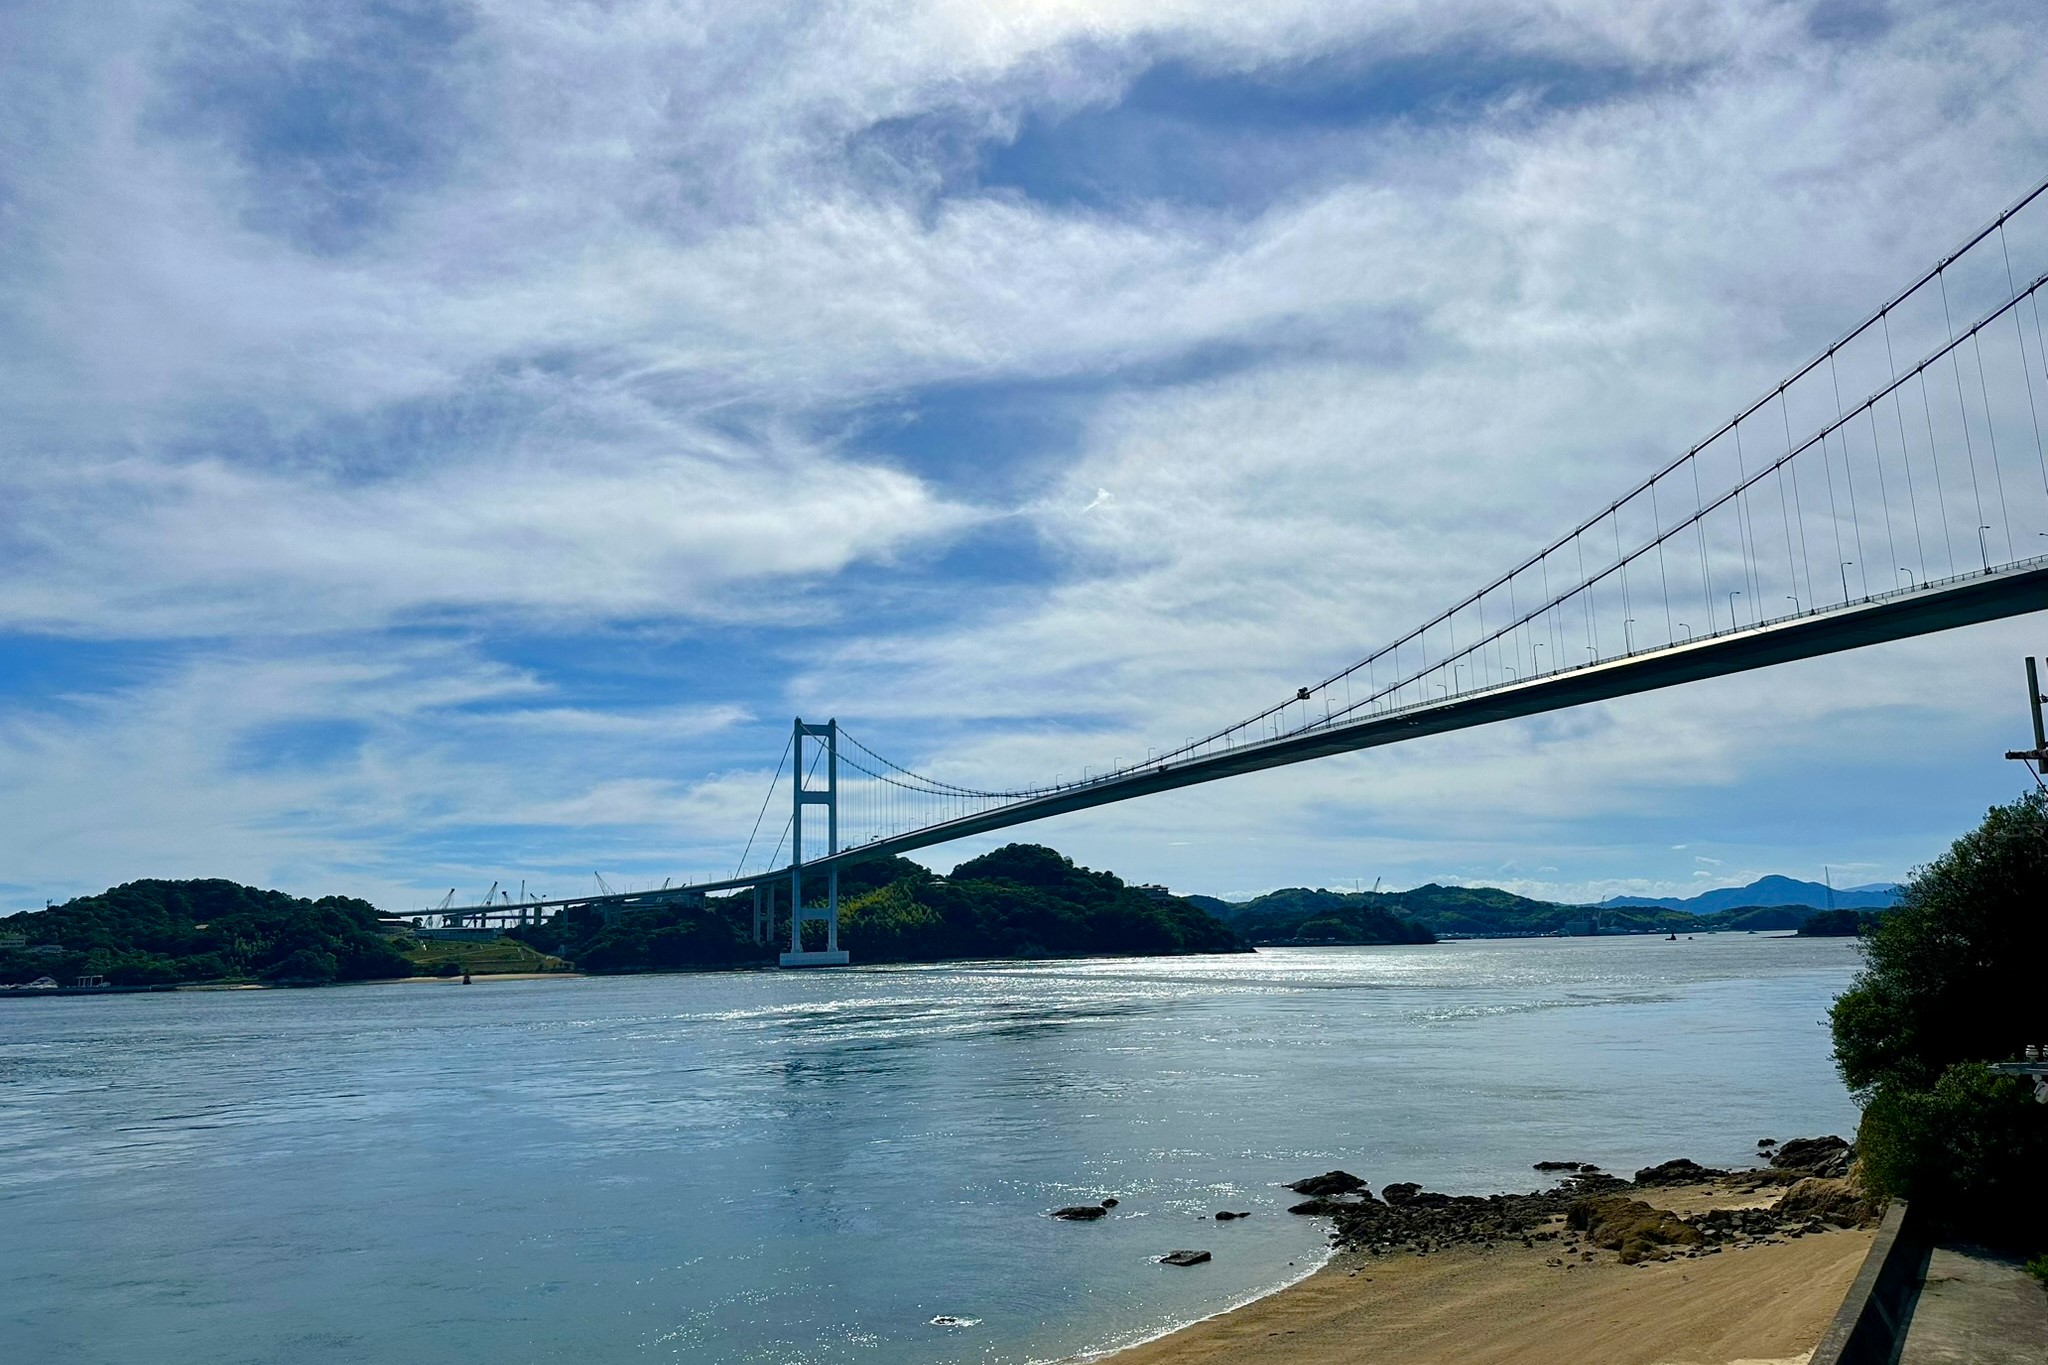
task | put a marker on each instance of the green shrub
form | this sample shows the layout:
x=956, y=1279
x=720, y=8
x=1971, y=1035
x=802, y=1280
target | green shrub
x=1969, y=1153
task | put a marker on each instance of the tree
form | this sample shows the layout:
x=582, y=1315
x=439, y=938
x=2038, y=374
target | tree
x=1953, y=973
x=1950, y=982
x=306, y=966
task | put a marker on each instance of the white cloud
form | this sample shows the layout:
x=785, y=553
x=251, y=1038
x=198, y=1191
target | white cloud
x=588, y=367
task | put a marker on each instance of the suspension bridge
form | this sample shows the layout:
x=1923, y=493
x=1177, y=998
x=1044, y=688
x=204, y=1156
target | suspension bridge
x=1894, y=485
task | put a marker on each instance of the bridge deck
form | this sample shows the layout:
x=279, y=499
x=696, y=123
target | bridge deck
x=1968, y=599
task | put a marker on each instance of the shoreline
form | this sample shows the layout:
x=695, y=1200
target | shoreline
x=1329, y=1256
x=1764, y=1306
x=1759, y=1289
x=916, y=964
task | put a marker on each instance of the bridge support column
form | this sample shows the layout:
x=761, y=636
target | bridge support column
x=828, y=797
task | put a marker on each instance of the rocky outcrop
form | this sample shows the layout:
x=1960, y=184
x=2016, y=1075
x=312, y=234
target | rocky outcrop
x=1080, y=1213
x=1826, y=1157
x=1630, y=1227
x=1320, y=1207
x=1184, y=1258
x=1424, y=1220
x=1225, y=1215
x=1678, y=1172
x=1330, y=1182
x=1598, y=1213
x=1558, y=1165
x=1828, y=1200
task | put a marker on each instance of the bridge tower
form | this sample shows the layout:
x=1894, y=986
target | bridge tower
x=828, y=797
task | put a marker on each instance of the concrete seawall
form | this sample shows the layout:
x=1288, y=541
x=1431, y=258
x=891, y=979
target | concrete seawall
x=1873, y=1318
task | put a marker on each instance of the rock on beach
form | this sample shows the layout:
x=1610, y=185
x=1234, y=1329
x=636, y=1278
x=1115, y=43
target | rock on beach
x=1678, y=1172
x=1828, y=1157
x=1591, y=1210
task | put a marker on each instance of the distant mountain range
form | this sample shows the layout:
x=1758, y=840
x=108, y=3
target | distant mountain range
x=1302, y=915
x=1767, y=891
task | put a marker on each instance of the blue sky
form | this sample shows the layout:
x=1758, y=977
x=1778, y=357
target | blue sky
x=445, y=443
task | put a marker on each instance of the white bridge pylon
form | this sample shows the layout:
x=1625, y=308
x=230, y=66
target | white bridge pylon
x=804, y=794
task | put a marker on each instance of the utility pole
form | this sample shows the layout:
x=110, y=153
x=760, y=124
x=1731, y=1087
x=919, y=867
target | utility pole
x=2039, y=753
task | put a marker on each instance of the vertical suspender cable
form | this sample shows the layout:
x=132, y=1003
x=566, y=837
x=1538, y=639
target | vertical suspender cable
x=1905, y=452
x=2019, y=335
x=1991, y=434
x=1962, y=410
x=1940, y=485
x=1849, y=473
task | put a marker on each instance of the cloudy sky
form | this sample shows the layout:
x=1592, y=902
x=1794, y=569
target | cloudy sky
x=444, y=442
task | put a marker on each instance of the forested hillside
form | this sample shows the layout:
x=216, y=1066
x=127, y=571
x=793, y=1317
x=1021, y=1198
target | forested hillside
x=1020, y=901
x=1298, y=914
x=150, y=933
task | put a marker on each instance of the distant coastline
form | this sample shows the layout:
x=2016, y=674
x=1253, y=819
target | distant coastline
x=1019, y=902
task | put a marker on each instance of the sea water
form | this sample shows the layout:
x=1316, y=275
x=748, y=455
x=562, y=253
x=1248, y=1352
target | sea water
x=833, y=1167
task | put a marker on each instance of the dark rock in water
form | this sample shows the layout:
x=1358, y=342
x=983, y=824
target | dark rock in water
x=1766, y=1142
x=1820, y=1156
x=1330, y=1182
x=1320, y=1206
x=1557, y=1165
x=1678, y=1172
x=1080, y=1213
x=1588, y=1168
x=1110, y=1202
x=1184, y=1258
x=1225, y=1215
x=1400, y=1192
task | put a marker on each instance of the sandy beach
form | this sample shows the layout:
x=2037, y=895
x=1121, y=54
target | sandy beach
x=1512, y=1305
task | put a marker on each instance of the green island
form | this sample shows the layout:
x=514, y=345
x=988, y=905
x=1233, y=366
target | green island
x=1022, y=901
x=212, y=932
